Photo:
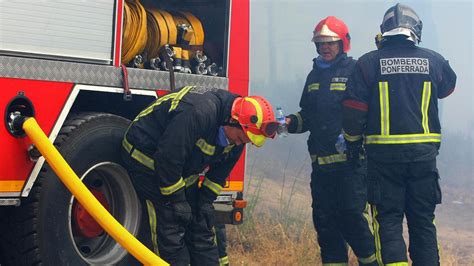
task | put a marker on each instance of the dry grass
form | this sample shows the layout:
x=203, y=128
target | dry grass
x=269, y=243
x=278, y=229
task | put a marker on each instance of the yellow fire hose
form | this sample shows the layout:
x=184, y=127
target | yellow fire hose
x=85, y=197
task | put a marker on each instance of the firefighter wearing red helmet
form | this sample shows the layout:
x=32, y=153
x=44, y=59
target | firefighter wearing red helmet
x=169, y=144
x=337, y=185
x=392, y=105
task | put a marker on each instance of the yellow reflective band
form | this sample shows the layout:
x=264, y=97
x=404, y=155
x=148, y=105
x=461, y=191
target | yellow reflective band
x=128, y=147
x=335, y=158
x=402, y=263
x=367, y=260
x=173, y=188
x=205, y=147
x=336, y=264
x=384, y=109
x=257, y=140
x=157, y=102
x=314, y=158
x=300, y=122
x=191, y=180
x=351, y=138
x=378, y=246
x=224, y=261
x=313, y=87
x=214, y=187
x=144, y=159
x=258, y=109
x=425, y=104
x=152, y=221
x=138, y=155
x=337, y=87
x=403, y=139
x=228, y=148
x=366, y=216
x=179, y=96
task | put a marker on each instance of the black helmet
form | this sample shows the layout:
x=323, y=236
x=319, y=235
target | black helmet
x=402, y=20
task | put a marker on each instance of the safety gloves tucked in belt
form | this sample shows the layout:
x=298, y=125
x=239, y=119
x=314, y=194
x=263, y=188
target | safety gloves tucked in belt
x=180, y=207
x=355, y=152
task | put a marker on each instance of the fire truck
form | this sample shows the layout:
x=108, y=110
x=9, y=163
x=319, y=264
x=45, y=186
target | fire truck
x=83, y=70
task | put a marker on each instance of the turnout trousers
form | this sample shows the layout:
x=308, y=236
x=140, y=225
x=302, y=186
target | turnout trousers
x=177, y=244
x=405, y=189
x=221, y=237
x=340, y=215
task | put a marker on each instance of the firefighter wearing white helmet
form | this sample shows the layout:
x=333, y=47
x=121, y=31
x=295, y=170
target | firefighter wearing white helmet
x=392, y=103
x=337, y=184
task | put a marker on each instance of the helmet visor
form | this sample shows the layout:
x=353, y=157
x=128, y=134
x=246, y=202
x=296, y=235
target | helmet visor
x=321, y=38
x=267, y=129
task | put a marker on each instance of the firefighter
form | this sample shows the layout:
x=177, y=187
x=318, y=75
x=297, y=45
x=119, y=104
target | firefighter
x=338, y=187
x=165, y=149
x=392, y=104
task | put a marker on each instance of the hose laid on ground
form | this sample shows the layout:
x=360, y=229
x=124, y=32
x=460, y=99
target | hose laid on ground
x=135, y=30
x=86, y=198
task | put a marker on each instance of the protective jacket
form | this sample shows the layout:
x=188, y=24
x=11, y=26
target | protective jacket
x=337, y=188
x=321, y=111
x=176, y=138
x=400, y=122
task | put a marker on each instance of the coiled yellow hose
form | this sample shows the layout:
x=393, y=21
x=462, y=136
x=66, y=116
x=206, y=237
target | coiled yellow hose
x=157, y=33
x=197, y=36
x=135, y=30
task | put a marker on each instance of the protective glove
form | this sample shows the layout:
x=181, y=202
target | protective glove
x=355, y=151
x=181, y=212
x=206, y=208
x=180, y=207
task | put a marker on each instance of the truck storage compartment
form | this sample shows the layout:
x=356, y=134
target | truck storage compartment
x=80, y=30
x=194, y=33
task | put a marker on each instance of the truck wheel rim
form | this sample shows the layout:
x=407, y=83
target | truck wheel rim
x=83, y=223
x=110, y=181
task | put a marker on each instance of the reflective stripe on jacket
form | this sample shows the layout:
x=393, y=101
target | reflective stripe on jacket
x=321, y=111
x=176, y=137
x=393, y=100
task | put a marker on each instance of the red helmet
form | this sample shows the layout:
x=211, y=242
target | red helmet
x=332, y=29
x=255, y=116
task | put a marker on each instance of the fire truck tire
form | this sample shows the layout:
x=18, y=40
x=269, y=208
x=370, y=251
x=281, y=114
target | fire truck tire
x=49, y=228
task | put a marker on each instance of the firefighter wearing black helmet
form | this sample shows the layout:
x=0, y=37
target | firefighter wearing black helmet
x=338, y=187
x=392, y=103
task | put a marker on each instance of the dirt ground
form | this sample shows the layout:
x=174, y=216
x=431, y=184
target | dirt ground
x=454, y=217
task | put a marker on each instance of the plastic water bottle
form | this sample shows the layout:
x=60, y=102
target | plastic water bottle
x=340, y=144
x=282, y=129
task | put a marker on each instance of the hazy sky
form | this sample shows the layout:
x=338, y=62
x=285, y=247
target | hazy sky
x=281, y=51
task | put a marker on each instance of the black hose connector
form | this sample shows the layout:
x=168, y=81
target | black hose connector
x=16, y=112
x=15, y=125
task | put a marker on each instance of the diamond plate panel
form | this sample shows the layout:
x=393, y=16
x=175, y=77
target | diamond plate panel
x=100, y=75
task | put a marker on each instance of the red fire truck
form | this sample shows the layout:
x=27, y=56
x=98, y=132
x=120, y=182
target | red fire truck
x=64, y=62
